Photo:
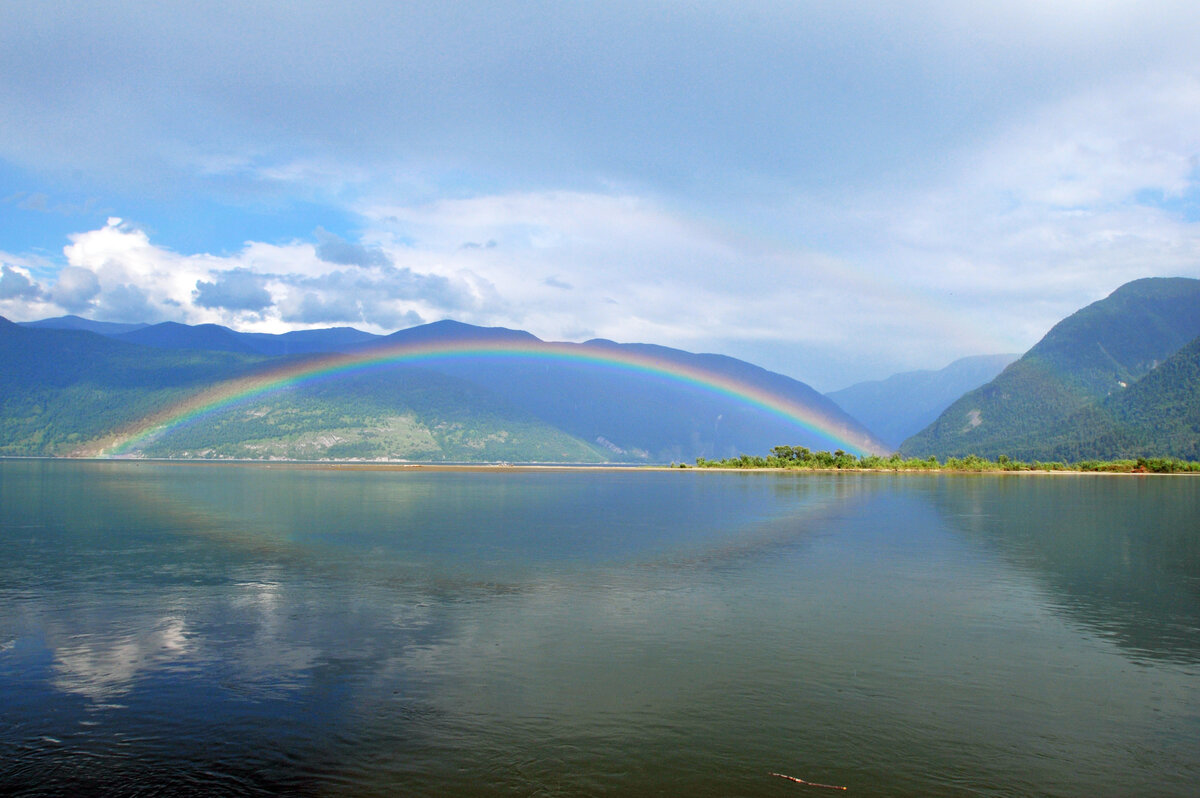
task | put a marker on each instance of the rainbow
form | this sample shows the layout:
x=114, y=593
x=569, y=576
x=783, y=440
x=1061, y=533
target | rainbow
x=261, y=384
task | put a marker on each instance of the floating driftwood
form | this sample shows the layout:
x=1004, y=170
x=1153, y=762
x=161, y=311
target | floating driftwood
x=808, y=783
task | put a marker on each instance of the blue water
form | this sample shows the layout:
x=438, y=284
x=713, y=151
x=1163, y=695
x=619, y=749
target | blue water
x=253, y=629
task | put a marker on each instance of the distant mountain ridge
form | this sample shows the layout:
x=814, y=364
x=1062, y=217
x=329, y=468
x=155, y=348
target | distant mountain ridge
x=173, y=335
x=902, y=405
x=1078, y=387
x=217, y=338
x=450, y=408
x=79, y=323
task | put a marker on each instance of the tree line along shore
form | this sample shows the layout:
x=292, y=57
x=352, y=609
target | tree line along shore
x=801, y=458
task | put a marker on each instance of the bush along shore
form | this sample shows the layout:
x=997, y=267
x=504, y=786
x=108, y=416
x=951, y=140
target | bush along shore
x=800, y=458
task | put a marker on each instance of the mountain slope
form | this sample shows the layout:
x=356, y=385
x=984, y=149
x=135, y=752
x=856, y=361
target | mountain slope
x=61, y=387
x=903, y=404
x=636, y=415
x=451, y=330
x=1159, y=415
x=1163, y=408
x=403, y=413
x=1094, y=353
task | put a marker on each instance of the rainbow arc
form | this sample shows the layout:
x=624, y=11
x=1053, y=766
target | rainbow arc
x=225, y=395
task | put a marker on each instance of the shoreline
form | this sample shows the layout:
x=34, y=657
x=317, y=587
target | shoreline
x=502, y=467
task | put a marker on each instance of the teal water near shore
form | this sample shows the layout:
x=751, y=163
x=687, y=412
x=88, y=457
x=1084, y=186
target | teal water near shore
x=243, y=629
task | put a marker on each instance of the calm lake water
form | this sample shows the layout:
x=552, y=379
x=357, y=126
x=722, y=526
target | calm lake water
x=228, y=629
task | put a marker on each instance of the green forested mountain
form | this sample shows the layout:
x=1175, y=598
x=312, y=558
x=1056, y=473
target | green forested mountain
x=173, y=335
x=1163, y=408
x=61, y=389
x=1077, y=393
x=1157, y=415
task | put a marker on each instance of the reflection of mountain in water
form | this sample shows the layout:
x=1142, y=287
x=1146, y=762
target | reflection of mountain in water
x=1118, y=554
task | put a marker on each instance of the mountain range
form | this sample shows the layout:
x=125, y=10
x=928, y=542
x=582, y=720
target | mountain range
x=1119, y=378
x=71, y=384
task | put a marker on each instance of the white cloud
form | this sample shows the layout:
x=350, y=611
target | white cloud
x=17, y=284
x=1102, y=146
x=637, y=270
x=120, y=255
x=75, y=289
x=23, y=280
x=116, y=273
x=640, y=270
x=234, y=289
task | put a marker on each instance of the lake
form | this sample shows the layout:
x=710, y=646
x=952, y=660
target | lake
x=176, y=629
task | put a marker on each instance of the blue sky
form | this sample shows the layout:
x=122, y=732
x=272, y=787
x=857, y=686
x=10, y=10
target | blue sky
x=837, y=191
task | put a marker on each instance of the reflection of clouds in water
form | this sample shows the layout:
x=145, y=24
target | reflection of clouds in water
x=100, y=668
x=263, y=635
x=103, y=664
x=268, y=659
